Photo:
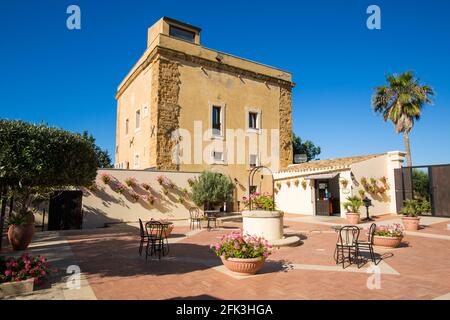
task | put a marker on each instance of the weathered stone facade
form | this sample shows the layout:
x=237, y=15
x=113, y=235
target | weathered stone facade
x=165, y=115
x=286, y=152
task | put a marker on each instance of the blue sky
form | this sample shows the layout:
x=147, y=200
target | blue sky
x=68, y=78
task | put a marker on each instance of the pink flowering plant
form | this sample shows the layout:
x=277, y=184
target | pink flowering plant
x=23, y=268
x=237, y=245
x=131, y=182
x=258, y=200
x=106, y=178
x=395, y=230
x=119, y=187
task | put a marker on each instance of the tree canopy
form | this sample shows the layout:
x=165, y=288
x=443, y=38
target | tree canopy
x=401, y=101
x=103, y=158
x=307, y=147
x=41, y=156
x=212, y=188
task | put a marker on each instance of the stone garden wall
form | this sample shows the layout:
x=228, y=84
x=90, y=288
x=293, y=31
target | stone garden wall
x=145, y=197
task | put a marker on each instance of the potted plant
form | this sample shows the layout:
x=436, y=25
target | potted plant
x=279, y=185
x=288, y=183
x=411, y=211
x=21, y=229
x=146, y=186
x=304, y=184
x=259, y=201
x=134, y=196
x=131, y=182
x=149, y=199
x=19, y=275
x=161, y=179
x=165, y=191
x=212, y=189
x=296, y=182
x=388, y=236
x=344, y=183
x=362, y=194
x=119, y=187
x=242, y=254
x=106, y=178
x=352, y=207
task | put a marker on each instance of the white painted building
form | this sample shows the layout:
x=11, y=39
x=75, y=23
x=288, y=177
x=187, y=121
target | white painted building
x=320, y=187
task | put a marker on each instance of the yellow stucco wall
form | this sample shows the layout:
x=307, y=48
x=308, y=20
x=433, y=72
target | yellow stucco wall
x=180, y=82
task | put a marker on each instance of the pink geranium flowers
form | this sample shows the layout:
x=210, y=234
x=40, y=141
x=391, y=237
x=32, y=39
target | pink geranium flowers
x=23, y=268
x=237, y=245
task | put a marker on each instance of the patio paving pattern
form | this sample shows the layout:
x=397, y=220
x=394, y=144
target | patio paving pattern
x=113, y=269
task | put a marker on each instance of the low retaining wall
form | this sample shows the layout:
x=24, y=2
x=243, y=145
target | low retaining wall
x=105, y=205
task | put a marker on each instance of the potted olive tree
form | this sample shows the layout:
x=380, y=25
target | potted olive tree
x=411, y=211
x=211, y=190
x=352, y=207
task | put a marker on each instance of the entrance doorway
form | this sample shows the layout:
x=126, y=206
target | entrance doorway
x=327, y=197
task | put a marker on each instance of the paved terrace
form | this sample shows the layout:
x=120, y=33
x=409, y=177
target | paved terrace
x=112, y=268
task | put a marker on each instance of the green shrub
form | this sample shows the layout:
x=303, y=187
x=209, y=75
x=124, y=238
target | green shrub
x=353, y=204
x=211, y=189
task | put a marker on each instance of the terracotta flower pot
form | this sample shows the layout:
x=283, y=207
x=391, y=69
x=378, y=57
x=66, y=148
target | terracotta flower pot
x=391, y=242
x=243, y=266
x=20, y=236
x=411, y=223
x=352, y=218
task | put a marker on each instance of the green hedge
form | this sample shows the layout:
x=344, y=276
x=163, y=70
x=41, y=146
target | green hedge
x=41, y=156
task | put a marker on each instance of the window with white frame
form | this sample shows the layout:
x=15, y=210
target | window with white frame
x=253, y=160
x=127, y=125
x=136, y=160
x=217, y=120
x=138, y=119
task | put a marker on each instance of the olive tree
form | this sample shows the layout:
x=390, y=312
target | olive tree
x=211, y=189
x=36, y=159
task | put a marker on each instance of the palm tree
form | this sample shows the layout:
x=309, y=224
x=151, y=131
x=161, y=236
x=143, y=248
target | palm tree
x=401, y=101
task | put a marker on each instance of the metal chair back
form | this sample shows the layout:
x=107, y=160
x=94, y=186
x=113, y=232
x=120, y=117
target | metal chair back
x=372, y=229
x=348, y=235
x=195, y=213
x=141, y=229
x=154, y=229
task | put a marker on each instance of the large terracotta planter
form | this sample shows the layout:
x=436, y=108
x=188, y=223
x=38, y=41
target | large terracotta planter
x=411, y=223
x=353, y=218
x=390, y=242
x=243, y=266
x=20, y=236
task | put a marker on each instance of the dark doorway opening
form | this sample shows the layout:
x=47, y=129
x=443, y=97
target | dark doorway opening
x=327, y=197
x=65, y=211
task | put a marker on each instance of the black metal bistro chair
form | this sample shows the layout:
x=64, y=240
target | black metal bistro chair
x=196, y=217
x=347, y=243
x=156, y=239
x=368, y=245
x=143, y=235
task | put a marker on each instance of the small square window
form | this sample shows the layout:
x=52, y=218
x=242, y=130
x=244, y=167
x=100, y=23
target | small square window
x=182, y=34
x=253, y=120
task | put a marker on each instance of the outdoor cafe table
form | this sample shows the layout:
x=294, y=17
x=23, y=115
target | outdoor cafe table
x=210, y=215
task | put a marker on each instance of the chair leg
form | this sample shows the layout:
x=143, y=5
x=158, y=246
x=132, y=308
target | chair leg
x=141, y=245
x=343, y=258
x=146, y=251
x=372, y=255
